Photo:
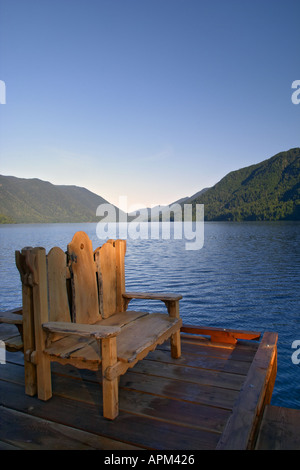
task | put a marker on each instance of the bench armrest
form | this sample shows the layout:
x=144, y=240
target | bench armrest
x=152, y=296
x=171, y=300
x=11, y=318
x=93, y=331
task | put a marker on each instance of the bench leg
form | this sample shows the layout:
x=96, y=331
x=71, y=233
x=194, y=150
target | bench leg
x=173, y=309
x=176, y=345
x=29, y=341
x=44, y=384
x=30, y=378
x=110, y=388
x=37, y=262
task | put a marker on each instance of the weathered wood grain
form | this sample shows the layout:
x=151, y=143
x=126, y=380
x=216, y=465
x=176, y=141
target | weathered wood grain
x=37, y=259
x=152, y=296
x=107, y=275
x=279, y=429
x=11, y=318
x=164, y=403
x=120, y=247
x=142, y=333
x=47, y=435
x=221, y=335
x=58, y=273
x=83, y=278
x=96, y=331
x=255, y=394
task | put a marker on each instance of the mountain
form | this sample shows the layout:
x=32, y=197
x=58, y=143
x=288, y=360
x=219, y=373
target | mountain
x=153, y=213
x=187, y=200
x=269, y=190
x=36, y=201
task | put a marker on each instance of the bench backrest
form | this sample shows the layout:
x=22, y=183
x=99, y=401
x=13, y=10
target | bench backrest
x=84, y=286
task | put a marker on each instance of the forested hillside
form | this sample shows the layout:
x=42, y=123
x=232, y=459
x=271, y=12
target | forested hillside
x=34, y=201
x=269, y=190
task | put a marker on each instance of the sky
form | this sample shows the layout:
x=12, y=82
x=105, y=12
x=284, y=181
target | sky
x=151, y=100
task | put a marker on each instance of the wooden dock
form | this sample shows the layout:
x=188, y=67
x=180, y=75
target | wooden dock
x=213, y=397
x=279, y=429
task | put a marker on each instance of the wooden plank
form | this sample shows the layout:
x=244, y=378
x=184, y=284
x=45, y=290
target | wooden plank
x=151, y=384
x=11, y=338
x=152, y=296
x=241, y=427
x=37, y=259
x=171, y=381
x=279, y=429
x=122, y=318
x=222, y=335
x=29, y=340
x=99, y=282
x=11, y=318
x=188, y=413
x=203, y=346
x=154, y=382
x=142, y=333
x=11, y=329
x=57, y=284
x=14, y=343
x=91, y=352
x=191, y=374
x=109, y=387
x=69, y=347
x=120, y=248
x=15, y=357
x=203, y=362
x=96, y=331
x=141, y=431
x=82, y=352
x=5, y=446
x=105, y=257
x=85, y=306
x=123, y=364
x=173, y=310
x=150, y=418
x=179, y=389
x=8, y=331
x=135, y=337
x=48, y=435
x=28, y=319
x=193, y=415
x=16, y=310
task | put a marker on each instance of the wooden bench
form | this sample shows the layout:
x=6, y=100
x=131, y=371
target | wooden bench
x=11, y=335
x=75, y=312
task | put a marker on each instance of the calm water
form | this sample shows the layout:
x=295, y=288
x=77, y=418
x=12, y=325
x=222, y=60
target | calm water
x=246, y=276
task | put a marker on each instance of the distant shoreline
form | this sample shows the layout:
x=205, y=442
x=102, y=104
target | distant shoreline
x=205, y=221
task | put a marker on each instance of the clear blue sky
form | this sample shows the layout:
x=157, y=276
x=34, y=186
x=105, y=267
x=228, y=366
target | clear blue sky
x=149, y=99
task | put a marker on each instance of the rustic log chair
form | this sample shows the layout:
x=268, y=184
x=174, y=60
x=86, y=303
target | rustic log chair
x=75, y=312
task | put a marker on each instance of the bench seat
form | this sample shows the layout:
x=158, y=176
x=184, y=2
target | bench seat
x=140, y=333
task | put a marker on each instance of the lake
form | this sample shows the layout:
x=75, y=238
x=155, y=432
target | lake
x=246, y=276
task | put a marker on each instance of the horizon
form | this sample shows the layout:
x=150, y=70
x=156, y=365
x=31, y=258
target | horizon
x=136, y=206
x=155, y=101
